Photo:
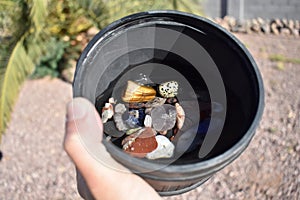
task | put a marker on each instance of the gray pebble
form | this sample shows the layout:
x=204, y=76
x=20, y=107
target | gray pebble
x=163, y=117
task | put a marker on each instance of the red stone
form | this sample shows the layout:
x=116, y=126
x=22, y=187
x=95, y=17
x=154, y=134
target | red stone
x=143, y=144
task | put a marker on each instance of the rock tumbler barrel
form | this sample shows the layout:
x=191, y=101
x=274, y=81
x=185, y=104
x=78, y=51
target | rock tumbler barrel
x=220, y=88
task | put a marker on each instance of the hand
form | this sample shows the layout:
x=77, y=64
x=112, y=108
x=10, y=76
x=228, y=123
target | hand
x=95, y=179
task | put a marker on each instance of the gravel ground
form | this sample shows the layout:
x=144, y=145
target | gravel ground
x=34, y=165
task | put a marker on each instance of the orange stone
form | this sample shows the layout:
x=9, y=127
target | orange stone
x=143, y=144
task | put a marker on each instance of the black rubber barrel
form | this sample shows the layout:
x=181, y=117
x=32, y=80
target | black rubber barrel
x=212, y=64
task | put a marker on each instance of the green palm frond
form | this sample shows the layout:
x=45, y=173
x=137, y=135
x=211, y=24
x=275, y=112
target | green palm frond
x=24, y=50
x=38, y=13
x=25, y=36
x=7, y=3
x=17, y=69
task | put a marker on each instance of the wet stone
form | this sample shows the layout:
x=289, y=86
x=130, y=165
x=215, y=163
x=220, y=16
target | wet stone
x=120, y=108
x=129, y=139
x=136, y=105
x=148, y=111
x=111, y=129
x=135, y=117
x=141, y=146
x=165, y=148
x=163, y=117
x=135, y=93
x=142, y=116
x=111, y=100
x=157, y=101
x=118, y=119
x=144, y=143
x=132, y=121
x=107, y=112
x=148, y=121
x=120, y=123
x=131, y=131
x=168, y=89
x=180, y=115
x=172, y=100
x=151, y=121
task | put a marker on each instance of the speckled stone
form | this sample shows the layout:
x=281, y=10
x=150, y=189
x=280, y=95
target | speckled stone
x=168, y=89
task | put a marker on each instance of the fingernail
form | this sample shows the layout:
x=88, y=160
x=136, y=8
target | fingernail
x=76, y=110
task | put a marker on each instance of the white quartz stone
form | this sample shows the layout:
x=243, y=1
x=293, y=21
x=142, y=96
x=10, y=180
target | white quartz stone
x=165, y=148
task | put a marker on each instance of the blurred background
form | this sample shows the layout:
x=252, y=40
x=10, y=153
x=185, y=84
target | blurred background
x=40, y=42
x=43, y=38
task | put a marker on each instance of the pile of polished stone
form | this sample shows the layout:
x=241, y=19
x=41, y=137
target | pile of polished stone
x=150, y=117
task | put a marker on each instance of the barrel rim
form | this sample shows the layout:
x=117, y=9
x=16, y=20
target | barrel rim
x=228, y=155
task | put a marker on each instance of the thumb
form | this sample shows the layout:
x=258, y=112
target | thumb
x=84, y=133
